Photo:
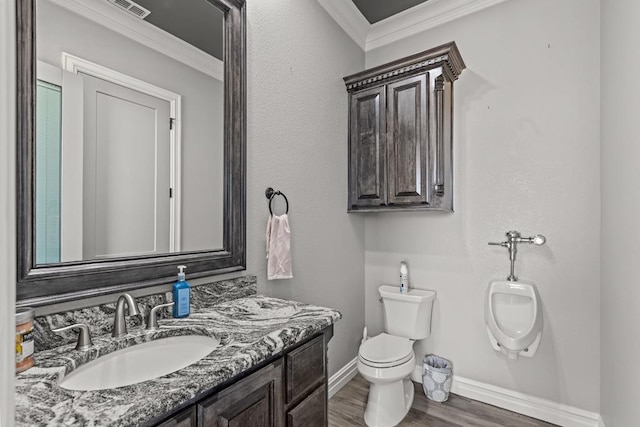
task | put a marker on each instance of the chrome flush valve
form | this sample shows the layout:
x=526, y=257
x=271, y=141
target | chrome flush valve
x=513, y=238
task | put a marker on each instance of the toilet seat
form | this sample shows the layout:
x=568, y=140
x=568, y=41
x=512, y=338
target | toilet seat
x=386, y=351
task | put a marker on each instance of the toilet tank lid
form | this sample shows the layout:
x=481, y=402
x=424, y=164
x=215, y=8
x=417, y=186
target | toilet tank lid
x=413, y=295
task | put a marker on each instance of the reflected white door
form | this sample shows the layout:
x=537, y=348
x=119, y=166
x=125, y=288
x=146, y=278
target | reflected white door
x=126, y=199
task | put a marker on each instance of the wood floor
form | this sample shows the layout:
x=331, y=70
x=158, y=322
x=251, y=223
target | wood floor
x=346, y=408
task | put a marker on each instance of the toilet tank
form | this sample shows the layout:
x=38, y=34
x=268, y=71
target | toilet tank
x=407, y=314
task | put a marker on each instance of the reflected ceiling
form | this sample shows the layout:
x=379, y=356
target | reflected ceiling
x=197, y=22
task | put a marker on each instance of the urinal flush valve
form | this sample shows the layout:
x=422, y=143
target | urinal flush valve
x=513, y=238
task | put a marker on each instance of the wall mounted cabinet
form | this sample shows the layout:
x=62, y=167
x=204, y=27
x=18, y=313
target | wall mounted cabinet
x=400, y=133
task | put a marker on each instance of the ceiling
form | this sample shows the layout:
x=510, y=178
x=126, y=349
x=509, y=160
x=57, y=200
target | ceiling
x=370, y=23
x=377, y=10
x=197, y=22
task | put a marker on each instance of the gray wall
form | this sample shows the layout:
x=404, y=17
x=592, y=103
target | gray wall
x=620, y=342
x=7, y=210
x=202, y=109
x=297, y=143
x=527, y=157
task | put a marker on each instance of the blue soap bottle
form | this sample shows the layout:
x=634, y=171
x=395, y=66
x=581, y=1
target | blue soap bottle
x=181, y=295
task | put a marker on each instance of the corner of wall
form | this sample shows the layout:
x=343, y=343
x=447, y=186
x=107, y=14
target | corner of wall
x=7, y=213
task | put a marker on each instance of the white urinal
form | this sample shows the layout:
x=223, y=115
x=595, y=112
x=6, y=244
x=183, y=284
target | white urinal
x=513, y=315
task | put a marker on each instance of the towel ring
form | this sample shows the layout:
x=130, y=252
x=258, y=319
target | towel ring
x=270, y=193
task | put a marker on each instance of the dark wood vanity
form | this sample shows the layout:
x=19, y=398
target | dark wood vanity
x=290, y=389
x=400, y=133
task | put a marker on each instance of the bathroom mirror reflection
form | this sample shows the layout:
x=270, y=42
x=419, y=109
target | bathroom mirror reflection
x=131, y=141
x=129, y=129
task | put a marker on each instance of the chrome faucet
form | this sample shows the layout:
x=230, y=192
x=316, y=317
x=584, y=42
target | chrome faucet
x=119, y=322
x=513, y=238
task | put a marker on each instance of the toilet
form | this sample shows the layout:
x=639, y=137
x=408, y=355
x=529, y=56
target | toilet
x=513, y=316
x=387, y=360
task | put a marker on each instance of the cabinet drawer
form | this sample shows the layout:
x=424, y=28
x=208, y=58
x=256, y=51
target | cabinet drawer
x=311, y=412
x=305, y=368
x=185, y=418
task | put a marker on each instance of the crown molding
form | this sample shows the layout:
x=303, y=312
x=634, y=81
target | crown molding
x=347, y=15
x=422, y=17
x=446, y=55
x=146, y=34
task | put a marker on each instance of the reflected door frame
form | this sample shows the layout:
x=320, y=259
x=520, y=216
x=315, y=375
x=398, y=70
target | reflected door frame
x=76, y=65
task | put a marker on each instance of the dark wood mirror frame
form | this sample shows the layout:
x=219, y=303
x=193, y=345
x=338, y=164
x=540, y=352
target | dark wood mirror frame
x=39, y=285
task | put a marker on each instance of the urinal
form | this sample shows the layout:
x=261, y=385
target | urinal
x=513, y=316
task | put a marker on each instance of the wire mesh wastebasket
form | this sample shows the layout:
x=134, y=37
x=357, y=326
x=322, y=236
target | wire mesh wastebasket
x=437, y=374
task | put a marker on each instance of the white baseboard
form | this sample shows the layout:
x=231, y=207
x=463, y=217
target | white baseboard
x=543, y=409
x=343, y=376
x=546, y=410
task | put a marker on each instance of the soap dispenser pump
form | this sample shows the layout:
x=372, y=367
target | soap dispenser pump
x=181, y=294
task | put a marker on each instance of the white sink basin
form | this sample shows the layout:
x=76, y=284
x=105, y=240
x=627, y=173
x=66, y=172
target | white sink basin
x=140, y=362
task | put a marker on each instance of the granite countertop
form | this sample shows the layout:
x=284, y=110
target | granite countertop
x=251, y=329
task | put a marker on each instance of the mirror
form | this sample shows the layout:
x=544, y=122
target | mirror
x=128, y=157
x=131, y=144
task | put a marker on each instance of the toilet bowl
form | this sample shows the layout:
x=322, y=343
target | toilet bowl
x=513, y=316
x=387, y=360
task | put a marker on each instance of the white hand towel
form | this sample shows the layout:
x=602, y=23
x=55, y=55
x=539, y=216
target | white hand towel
x=278, y=248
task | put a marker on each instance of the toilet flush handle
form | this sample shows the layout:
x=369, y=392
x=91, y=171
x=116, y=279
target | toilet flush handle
x=537, y=240
x=513, y=238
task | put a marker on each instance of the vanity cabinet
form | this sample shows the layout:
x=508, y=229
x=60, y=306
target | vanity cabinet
x=400, y=133
x=289, y=390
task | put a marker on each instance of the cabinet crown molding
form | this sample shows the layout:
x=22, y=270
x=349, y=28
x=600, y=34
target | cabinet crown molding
x=446, y=55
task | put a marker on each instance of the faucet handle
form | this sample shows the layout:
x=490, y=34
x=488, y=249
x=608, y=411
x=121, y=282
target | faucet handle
x=152, y=318
x=84, y=337
x=503, y=244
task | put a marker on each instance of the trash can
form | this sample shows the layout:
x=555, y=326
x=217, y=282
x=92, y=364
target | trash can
x=437, y=374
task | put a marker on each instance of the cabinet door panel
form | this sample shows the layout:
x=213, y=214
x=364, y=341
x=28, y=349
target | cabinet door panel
x=255, y=401
x=311, y=412
x=367, y=151
x=407, y=134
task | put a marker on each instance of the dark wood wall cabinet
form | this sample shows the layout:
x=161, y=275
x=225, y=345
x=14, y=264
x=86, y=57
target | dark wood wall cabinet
x=288, y=390
x=400, y=133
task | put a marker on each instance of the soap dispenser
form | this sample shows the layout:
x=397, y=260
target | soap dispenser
x=181, y=295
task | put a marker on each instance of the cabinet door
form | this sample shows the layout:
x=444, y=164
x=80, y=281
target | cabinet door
x=407, y=134
x=186, y=418
x=255, y=401
x=367, y=148
x=306, y=368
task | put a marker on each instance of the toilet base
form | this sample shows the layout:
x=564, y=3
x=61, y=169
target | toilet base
x=416, y=374
x=388, y=403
